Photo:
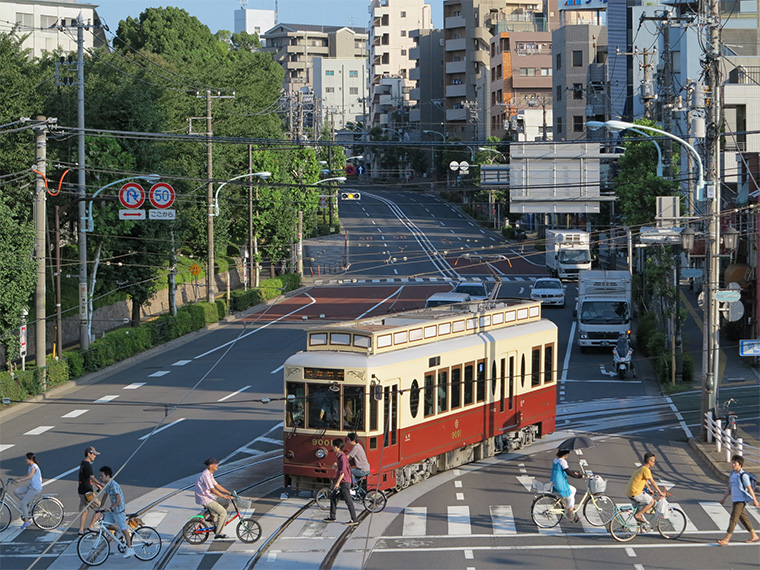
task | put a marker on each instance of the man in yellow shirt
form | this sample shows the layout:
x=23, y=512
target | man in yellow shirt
x=638, y=482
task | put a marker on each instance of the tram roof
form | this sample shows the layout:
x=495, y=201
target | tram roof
x=410, y=328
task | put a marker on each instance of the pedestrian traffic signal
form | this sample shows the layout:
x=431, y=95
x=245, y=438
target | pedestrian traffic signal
x=350, y=196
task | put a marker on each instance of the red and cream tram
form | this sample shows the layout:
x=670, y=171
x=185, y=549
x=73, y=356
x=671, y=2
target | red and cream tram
x=425, y=390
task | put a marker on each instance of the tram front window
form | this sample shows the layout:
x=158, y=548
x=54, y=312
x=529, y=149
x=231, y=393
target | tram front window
x=353, y=408
x=324, y=407
x=294, y=409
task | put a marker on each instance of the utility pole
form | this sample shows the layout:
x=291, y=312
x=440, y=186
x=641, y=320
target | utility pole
x=40, y=215
x=210, y=284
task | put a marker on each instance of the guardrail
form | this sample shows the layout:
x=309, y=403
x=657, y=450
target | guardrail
x=721, y=437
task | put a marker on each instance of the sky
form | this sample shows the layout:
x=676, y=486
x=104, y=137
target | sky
x=219, y=14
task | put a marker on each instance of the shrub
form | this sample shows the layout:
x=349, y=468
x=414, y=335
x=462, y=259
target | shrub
x=57, y=372
x=688, y=368
x=210, y=313
x=646, y=328
x=221, y=309
x=74, y=363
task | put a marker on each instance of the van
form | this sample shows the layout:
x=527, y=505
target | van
x=438, y=299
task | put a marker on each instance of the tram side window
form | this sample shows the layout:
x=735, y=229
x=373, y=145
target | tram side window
x=494, y=378
x=324, y=408
x=548, y=363
x=294, y=409
x=456, y=387
x=535, y=367
x=429, y=394
x=481, y=386
x=503, y=369
x=414, y=398
x=353, y=408
x=443, y=386
x=373, y=409
x=522, y=371
x=511, y=382
x=468, y=378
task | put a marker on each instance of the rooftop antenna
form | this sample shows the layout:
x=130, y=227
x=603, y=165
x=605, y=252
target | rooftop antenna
x=276, y=11
x=243, y=4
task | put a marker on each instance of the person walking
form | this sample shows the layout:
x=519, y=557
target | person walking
x=359, y=456
x=637, y=484
x=560, y=472
x=341, y=485
x=207, y=490
x=115, y=516
x=741, y=492
x=86, y=489
x=27, y=493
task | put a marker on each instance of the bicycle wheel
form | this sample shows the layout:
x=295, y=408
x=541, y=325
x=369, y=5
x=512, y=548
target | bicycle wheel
x=248, y=530
x=47, y=513
x=193, y=533
x=547, y=510
x=674, y=525
x=146, y=542
x=93, y=548
x=374, y=501
x=5, y=516
x=599, y=510
x=623, y=527
x=2, y=489
x=323, y=498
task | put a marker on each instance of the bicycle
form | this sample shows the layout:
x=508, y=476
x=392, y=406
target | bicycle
x=198, y=528
x=374, y=501
x=548, y=508
x=624, y=526
x=729, y=416
x=94, y=547
x=46, y=510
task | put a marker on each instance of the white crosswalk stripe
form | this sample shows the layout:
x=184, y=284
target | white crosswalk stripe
x=459, y=520
x=502, y=519
x=717, y=512
x=689, y=525
x=415, y=521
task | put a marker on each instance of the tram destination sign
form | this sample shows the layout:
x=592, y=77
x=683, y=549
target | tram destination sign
x=336, y=374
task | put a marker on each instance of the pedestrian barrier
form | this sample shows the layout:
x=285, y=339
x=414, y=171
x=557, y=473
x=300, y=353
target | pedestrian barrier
x=724, y=442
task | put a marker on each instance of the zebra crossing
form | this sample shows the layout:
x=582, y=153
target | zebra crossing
x=459, y=521
x=390, y=280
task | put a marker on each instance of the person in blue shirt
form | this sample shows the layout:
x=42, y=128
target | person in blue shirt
x=741, y=493
x=31, y=491
x=560, y=471
x=115, y=516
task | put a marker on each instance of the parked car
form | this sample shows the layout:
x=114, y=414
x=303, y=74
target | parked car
x=438, y=299
x=476, y=291
x=549, y=290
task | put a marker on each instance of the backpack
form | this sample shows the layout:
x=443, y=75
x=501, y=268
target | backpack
x=752, y=481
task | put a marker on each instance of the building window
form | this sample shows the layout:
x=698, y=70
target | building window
x=25, y=20
x=353, y=73
x=329, y=89
x=353, y=90
x=403, y=33
x=577, y=91
x=403, y=52
x=559, y=93
x=329, y=73
x=403, y=14
x=577, y=58
x=546, y=71
x=577, y=123
x=47, y=22
x=559, y=61
x=559, y=125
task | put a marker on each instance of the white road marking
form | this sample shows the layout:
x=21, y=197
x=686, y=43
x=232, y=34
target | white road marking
x=458, y=484
x=689, y=525
x=395, y=271
x=182, y=362
x=415, y=521
x=566, y=363
x=459, y=520
x=269, y=440
x=276, y=370
x=5, y=446
x=105, y=399
x=134, y=386
x=502, y=520
x=460, y=496
x=526, y=481
x=162, y=428
x=629, y=551
x=682, y=423
x=468, y=555
x=159, y=374
x=228, y=396
x=717, y=512
x=74, y=413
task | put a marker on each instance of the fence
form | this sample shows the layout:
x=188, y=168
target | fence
x=721, y=437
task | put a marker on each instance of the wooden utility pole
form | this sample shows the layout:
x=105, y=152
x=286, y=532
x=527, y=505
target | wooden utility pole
x=40, y=215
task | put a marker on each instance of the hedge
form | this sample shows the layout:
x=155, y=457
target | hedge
x=22, y=384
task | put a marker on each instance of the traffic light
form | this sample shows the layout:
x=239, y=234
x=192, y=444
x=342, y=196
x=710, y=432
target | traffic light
x=350, y=196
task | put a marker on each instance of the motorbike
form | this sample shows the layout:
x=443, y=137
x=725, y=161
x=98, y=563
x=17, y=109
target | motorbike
x=622, y=356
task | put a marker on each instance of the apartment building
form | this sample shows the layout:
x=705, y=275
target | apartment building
x=390, y=43
x=254, y=21
x=43, y=20
x=295, y=46
x=341, y=87
x=426, y=100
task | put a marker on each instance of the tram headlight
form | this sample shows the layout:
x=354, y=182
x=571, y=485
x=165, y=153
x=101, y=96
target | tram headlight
x=321, y=453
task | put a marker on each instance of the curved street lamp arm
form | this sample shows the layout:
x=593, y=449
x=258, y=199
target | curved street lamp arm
x=147, y=177
x=262, y=175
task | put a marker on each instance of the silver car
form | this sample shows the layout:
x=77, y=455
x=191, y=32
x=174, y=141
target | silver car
x=476, y=291
x=549, y=290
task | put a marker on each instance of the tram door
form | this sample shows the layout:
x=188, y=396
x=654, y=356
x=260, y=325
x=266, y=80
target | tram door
x=507, y=372
x=390, y=452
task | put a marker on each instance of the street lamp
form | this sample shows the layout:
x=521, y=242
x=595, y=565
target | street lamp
x=432, y=148
x=299, y=269
x=489, y=149
x=657, y=146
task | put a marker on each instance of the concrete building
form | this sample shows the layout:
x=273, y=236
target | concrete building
x=390, y=42
x=340, y=85
x=426, y=100
x=254, y=21
x=42, y=20
x=295, y=46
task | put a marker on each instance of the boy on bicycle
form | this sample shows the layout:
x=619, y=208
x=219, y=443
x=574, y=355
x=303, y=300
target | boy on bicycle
x=115, y=516
x=637, y=484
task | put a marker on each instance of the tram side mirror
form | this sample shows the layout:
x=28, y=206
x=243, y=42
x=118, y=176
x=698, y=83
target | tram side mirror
x=377, y=392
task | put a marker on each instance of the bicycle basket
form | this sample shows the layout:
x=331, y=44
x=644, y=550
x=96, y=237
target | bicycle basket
x=243, y=502
x=597, y=485
x=134, y=522
x=538, y=487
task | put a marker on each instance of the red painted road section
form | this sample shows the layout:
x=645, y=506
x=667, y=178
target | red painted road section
x=345, y=303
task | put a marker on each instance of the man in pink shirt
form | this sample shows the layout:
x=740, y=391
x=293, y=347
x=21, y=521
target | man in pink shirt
x=206, y=491
x=342, y=485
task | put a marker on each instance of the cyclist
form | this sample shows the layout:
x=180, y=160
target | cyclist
x=560, y=472
x=206, y=491
x=28, y=493
x=361, y=465
x=637, y=488
x=115, y=516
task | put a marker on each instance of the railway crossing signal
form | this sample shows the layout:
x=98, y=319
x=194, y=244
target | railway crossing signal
x=350, y=196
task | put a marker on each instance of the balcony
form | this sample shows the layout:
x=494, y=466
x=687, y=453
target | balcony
x=414, y=54
x=454, y=22
x=456, y=90
x=414, y=115
x=414, y=73
x=456, y=45
x=456, y=114
x=456, y=66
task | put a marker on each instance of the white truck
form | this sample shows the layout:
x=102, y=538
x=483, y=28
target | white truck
x=567, y=253
x=604, y=307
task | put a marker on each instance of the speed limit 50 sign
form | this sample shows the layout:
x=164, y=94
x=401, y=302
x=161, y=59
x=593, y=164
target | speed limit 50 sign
x=161, y=195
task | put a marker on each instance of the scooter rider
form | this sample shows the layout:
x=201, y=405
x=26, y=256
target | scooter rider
x=622, y=348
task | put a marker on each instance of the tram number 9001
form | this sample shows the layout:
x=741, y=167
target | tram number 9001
x=456, y=434
x=318, y=442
